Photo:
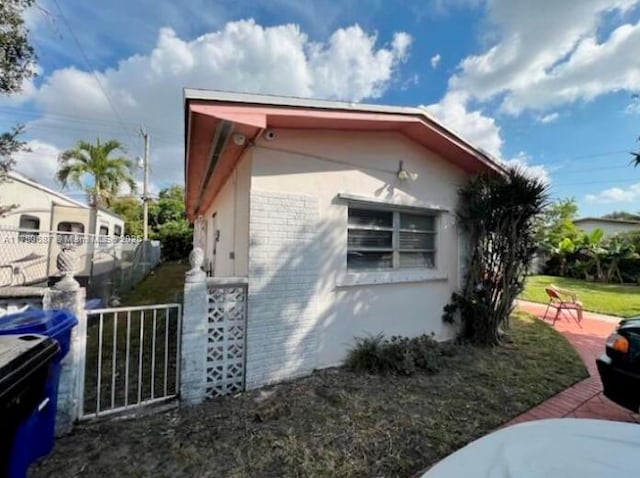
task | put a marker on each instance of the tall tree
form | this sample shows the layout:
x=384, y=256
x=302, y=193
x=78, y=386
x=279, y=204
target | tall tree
x=556, y=223
x=497, y=213
x=130, y=209
x=106, y=175
x=169, y=206
x=16, y=64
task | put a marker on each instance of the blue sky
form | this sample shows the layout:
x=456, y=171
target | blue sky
x=547, y=84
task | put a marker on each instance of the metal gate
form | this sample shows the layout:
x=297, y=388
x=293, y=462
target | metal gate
x=131, y=358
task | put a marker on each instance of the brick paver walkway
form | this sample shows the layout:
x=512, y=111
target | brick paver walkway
x=584, y=399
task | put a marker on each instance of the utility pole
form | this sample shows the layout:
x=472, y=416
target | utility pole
x=145, y=187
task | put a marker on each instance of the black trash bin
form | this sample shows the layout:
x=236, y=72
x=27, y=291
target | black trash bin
x=26, y=365
x=34, y=437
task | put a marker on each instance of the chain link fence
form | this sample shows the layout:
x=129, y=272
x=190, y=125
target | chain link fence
x=107, y=265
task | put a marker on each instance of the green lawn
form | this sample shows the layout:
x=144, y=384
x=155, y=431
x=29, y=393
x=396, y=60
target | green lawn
x=164, y=284
x=611, y=299
x=334, y=422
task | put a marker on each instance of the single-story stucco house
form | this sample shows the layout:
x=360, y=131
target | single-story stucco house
x=610, y=226
x=340, y=216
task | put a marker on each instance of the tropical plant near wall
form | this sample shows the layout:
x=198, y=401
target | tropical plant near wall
x=498, y=215
x=106, y=174
x=618, y=250
x=591, y=246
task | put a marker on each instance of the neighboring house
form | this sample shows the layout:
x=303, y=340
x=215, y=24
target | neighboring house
x=41, y=219
x=341, y=217
x=611, y=227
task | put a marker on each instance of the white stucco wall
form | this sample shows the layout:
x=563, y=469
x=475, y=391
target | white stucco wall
x=304, y=308
x=231, y=209
x=609, y=228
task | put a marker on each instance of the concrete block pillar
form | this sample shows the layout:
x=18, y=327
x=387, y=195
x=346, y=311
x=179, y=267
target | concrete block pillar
x=67, y=294
x=193, y=362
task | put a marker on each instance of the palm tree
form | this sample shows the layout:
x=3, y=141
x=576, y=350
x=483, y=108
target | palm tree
x=108, y=174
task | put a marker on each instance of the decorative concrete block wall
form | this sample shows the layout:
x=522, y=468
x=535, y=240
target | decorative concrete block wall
x=283, y=278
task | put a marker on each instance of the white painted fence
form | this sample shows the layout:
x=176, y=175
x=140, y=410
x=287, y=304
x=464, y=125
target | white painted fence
x=131, y=359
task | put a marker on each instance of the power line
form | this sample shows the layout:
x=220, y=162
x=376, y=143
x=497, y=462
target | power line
x=605, y=181
x=91, y=69
x=104, y=125
x=86, y=130
x=595, y=155
x=68, y=117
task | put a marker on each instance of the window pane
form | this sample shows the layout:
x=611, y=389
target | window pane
x=417, y=222
x=369, y=218
x=117, y=231
x=104, y=230
x=417, y=240
x=32, y=223
x=70, y=239
x=369, y=260
x=29, y=222
x=71, y=227
x=417, y=260
x=358, y=238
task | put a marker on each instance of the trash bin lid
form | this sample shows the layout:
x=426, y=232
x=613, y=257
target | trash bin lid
x=21, y=356
x=36, y=321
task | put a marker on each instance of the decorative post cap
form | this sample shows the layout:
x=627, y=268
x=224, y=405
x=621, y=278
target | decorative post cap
x=67, y=264
x=196, y=259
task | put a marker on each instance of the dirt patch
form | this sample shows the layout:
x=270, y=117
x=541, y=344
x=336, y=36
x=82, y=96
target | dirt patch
x=333, y=423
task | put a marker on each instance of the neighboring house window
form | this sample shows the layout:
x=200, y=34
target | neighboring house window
x=388, y=239
x=117, y=231
x=74, y=227
x=30, y=223
x=103, y=231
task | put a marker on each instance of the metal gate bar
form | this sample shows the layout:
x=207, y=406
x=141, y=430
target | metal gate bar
x=101, y=396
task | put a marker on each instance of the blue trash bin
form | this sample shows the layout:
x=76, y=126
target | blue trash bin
x=35, y=436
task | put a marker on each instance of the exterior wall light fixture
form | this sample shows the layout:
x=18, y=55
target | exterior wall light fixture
x=404, y=175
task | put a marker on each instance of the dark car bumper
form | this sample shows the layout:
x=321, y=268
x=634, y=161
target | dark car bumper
x=620, y=386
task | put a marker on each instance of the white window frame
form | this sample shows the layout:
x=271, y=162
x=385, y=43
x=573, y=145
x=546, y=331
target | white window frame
x=395, y=237
x=28, y=233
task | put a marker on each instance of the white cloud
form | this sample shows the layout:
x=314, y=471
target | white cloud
x=241, y=56
x=481, y=130
x=616, y=194
x=548, y=118
x=39, y=161
x=633, y=108
x=544, y=59
x=435, y=60
x=523, y=160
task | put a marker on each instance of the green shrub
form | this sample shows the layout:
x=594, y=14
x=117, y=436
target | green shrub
x=176, y=239
x=398, y=355
x=368, y=354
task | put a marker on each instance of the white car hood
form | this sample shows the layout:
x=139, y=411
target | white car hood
x=562, y=448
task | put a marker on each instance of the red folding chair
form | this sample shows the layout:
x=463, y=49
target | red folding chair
x=565, y=302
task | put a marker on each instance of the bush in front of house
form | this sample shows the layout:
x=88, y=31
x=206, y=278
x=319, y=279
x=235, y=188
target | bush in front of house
x=496, y=216
x=399, y=355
